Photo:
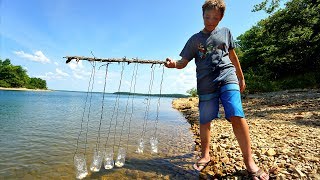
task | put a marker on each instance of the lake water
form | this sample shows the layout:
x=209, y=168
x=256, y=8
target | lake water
x=39, y=131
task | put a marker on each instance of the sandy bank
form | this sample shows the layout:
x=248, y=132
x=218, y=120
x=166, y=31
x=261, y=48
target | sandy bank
x=23, y=89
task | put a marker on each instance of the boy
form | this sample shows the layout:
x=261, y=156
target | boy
x=219, y=76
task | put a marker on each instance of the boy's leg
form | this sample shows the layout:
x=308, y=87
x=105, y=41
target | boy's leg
x=205, y=135
x=231, y=101
x=241, y=131
x=208, y=110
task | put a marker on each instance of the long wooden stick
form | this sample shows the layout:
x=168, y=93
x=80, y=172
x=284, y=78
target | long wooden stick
x=133, y=60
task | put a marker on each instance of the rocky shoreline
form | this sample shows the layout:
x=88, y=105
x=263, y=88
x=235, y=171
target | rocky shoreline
x=284, y=130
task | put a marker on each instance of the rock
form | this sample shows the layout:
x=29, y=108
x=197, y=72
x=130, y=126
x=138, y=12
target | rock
x=281, y=177
x=301, y=174
x=285, y=151
x=271, y=152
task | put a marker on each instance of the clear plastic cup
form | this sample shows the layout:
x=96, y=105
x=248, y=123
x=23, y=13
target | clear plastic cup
x=96, y=161
x=80, y=166
x=108, y=159
x=121, y=158
x=154, y=145
x=140, y=146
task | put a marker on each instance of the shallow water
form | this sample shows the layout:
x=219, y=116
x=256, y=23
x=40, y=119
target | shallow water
x=39, y=132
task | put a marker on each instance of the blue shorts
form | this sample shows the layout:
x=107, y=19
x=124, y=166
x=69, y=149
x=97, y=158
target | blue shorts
x=230, y=98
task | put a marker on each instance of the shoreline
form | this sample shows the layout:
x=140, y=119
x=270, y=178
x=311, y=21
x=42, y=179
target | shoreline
x=284, y=131
x=23, y=89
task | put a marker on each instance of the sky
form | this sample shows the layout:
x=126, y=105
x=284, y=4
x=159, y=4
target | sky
x=37, y=34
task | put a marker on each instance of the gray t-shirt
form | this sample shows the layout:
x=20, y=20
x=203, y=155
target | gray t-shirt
x=214, y=68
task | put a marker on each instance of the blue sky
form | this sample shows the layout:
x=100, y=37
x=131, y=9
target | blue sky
x=36, y=34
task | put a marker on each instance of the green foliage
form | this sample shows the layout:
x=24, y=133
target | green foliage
x=267, y=6
x=37, y=83
x=16, y=77
x=192, y=92
x=281, y=51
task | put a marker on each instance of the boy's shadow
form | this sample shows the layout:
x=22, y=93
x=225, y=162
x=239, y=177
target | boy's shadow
x=162, y=168
x=172, y=167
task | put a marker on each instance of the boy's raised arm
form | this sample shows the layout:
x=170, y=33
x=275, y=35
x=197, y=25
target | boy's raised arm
x=180, y=64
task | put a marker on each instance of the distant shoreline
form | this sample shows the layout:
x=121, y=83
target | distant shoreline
x=23, y=89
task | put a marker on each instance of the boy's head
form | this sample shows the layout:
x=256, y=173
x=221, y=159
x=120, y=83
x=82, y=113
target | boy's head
x=212, y=12
x=214, y=4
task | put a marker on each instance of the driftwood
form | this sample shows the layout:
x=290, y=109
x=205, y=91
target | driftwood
x=133, y=60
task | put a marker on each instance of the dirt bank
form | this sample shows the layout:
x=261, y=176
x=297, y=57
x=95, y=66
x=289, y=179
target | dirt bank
x=284, y=130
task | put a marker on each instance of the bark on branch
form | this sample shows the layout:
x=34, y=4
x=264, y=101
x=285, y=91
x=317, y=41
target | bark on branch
x=133, y=60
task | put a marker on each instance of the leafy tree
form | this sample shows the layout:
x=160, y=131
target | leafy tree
x=16, y=76
x=284, y=45
x=267, y=6
x=37, y=83
x=192, y=92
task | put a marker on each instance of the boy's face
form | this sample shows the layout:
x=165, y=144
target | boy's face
x=211, y=19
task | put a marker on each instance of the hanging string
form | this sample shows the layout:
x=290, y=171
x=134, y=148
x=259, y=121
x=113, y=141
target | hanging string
x=126, y=110
x=158, y=106
x=134, y=90
x=89, y=109
x=146, y=114
x=115, y=127
x=84, y=110
x=114, y=108
x=102, y=107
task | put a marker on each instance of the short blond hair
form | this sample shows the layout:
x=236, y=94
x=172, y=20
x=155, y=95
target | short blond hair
x=214, y=4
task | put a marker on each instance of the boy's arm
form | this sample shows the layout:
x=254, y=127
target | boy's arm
x=235, y=61
x=180, y=64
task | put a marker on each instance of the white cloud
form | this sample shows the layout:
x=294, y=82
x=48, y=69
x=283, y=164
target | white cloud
x=185, y=80
x=78, y=69
x=75, y=65
x=56, y=63
x=78, y=76
x=38, y=56
x=58, y=75
x=61, y=73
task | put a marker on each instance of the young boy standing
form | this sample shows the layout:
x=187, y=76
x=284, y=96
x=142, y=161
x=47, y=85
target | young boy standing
x=219, y=76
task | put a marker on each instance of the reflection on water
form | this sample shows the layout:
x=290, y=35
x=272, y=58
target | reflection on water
x=39, y=131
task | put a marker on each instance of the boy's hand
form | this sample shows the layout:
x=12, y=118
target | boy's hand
x=242, y=85
x=170, y=63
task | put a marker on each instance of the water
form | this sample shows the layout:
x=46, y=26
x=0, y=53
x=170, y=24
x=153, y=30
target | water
x=39, y=131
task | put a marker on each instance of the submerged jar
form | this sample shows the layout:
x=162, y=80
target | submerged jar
x=80, y=166
x=96, y=161
x=140, y=146
x=121, y=158
x=108, y=159
x=154, y=145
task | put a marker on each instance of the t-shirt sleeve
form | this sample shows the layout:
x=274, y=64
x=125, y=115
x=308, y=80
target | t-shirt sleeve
x=190, y=49
x=231, y=44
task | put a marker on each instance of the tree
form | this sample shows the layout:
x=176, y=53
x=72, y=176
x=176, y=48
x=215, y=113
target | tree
x=37, y=83
x=267, y=6
x=192, y=92
x=284, y=45
x=287, y=42
x=16, y=76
